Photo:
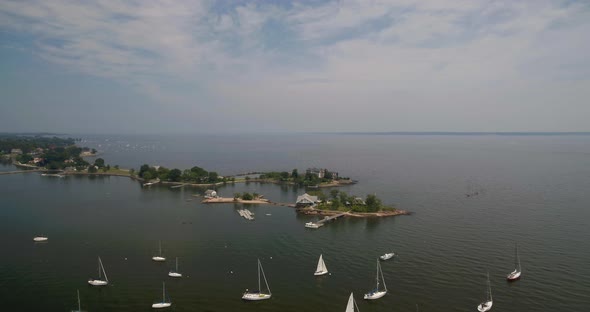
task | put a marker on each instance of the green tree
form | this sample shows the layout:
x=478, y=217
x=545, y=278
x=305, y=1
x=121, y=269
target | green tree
x=213, y=176
x=335, y=204
x=147, y=175
x=247, y=196
x=99, y=162
x=24, y=158
x=334, y=193
x=373, y=203
x=284, y=176
x=174, y=175
x=143, y=169
x=294, y=174
x=92, y=169
x=237, y=195
x=94, y=151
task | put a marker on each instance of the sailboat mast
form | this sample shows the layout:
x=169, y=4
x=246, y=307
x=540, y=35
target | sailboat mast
x=103, y=271
x=160, y=248
x=99, y=264
x=489, y=287
x=177, y=264
x=163, y=292
x=518, y=258
x=382, y=278
x=377, y=277
x=79, y=308
x=259, y=289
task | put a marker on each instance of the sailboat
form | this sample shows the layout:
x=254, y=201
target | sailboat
x=321, y=269
x=376, y=293
x=514, y=275
x=258, y=294
x=486, y=305
x=163, y=304
x=351, y=306
x=101, y=272
x=79, y=308
x=159, y=257
x=175, y=273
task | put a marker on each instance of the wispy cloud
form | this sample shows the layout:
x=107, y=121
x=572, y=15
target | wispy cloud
x=344, y=56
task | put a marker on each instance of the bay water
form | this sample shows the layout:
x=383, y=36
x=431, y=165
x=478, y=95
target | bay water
x=472, y=197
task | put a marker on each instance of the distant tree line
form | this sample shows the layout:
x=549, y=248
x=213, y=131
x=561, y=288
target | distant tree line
x=307, y=179
x=28, y=144
x=193, y=175
x=246, y=196
x=339, y=200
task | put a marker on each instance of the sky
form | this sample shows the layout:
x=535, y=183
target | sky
x=231, y=66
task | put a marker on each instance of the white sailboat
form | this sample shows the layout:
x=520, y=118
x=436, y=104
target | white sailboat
x=79, y=307
x=159, y=257
x=163, y=304
x=175, y=273
x=387, y=256
x=258, y=294
x=486, y=305
x=101, y=272
x=351, y=306
x=514, y=275
x=321, y=269
x=376, y=293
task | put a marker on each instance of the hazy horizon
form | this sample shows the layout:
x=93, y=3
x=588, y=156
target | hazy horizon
x=294, y=66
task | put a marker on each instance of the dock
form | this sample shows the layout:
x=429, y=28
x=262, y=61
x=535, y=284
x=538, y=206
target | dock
x=326, y=219
x=247, y=214
x=22, y=171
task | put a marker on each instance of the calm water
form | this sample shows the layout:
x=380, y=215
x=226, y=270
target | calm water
x=531, y=189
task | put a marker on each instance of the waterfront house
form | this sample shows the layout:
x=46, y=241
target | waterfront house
x=322, y=173
x=306, y=200
x=16, y=151
x=210, y=194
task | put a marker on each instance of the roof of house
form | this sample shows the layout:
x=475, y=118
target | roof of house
x=209, y=192
x=306, y=199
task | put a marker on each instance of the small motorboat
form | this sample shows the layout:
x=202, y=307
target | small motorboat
x=40, y=238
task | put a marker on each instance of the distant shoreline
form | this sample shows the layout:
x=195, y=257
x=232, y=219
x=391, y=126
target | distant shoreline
x=451, y=133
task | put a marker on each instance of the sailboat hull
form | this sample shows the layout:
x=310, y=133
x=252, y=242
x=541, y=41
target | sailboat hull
x=97, y=282
x=485, y=306
x=40, y=239
x=161, y=305
x=375, y=295
x=255, y=296
x=387, y=256
x=174, y=274
x=319, y=273
x=513, y=276
x=158, y=259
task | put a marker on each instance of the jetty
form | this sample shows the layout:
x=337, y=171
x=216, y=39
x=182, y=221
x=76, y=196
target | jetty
x=326, y=219
x=22, y=171
x=247, y=214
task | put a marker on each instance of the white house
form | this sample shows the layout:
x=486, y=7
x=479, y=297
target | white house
x=306, y=200
x=210, y=194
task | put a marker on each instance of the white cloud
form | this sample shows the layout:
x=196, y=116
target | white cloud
x=346, y=59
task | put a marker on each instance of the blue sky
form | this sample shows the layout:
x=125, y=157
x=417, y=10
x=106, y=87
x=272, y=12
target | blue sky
x=151, y=66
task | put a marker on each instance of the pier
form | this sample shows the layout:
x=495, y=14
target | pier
x=22, y=171
x=247, y=214
x=326, y=219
